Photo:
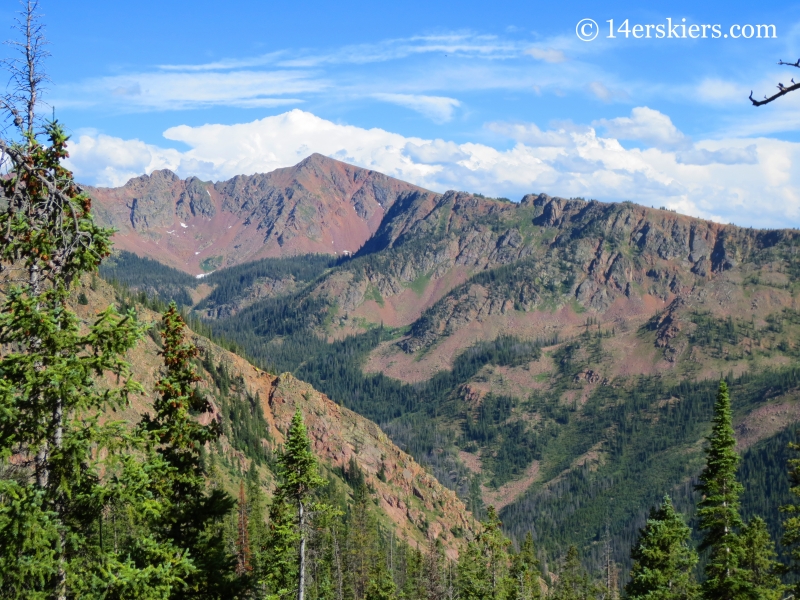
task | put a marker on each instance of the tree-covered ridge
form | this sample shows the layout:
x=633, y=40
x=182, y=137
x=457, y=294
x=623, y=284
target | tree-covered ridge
x=149, y=276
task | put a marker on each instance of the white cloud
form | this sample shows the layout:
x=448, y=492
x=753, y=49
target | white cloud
x=438, y=109
x=721, y=91
x=110, y=161
x=723, y=156
x=180, y=91
x=529, y=133
x=435, y=152
x=550, y=55
x=721, y=182
x=600, y=91
x=646, y=125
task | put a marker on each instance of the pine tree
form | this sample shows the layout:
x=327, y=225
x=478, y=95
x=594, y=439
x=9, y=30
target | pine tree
x=381, y=585
x=718, y=510
x=472, y=574
x=289, y=515
x=791, y=526
x=193, y=518
x=257, y=526
x=494, y=546
x=573, y=582
x=663, y=562
x=525, y=572
x=62, y=467
x=759, y=564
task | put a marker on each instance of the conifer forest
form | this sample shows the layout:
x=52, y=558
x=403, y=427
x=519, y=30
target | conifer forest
x=165, y=436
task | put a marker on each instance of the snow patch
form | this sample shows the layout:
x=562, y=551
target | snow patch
x=203, y=275
x=184, y=225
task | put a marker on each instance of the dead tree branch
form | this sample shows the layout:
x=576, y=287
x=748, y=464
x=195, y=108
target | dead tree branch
x=783, y=89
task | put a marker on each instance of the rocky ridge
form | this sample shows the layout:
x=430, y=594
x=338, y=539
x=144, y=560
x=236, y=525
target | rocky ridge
x=318, y=206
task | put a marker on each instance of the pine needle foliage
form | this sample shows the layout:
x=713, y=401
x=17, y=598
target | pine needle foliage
x=194, y=514
x=663, y=561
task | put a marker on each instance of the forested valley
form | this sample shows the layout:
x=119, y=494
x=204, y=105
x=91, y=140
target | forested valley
x=164, y=436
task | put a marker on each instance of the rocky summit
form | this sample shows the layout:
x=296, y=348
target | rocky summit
x=318, y=206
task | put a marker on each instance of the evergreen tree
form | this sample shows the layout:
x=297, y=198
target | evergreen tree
x=758, y=561
x=525, y=572
x=257, y=524
x=472, y=575
x=362, y=538
x=494, y=547
x=62, y=467
x=718, y=510
x=281, y=552
x=433, y=573
x=193, y=518
x=663, y=562
x=381, y=585
x=573, y=582
x=289, y=516
x=791, y=526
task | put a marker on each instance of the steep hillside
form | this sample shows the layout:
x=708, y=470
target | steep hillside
x=255, y=408
x=635, y=312
x=556, y=358
x=318, y=206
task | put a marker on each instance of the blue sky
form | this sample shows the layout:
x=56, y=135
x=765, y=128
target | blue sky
x=494, y=97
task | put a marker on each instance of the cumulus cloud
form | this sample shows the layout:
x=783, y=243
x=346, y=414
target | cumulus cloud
x=438, y=109
x=111, y=161
x=645, y=125
x=750, y=182
x=529, y=133
x=435, y=152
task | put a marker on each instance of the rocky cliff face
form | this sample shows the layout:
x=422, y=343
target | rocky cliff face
x=318, y=206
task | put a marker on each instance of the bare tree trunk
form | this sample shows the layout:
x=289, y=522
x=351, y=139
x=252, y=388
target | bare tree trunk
x=58, y=440
x=302, y=585
x=337, y=556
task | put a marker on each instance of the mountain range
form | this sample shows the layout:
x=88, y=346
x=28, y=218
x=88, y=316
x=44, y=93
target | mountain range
x=554, y=357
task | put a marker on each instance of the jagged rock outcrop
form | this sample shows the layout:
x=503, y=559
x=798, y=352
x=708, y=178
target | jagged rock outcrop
x=318, y=206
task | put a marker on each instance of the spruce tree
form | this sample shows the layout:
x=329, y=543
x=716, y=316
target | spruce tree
x=494, y=547
x=791, y=525
x=718, y=510
x=472, y=574
x=194, y=516
x=62, y=467
x=525, y=572
x=257, y=524
x=573, y=582
x=663, y=561
x=381, y=586
x=758, y=562
x=289, y=515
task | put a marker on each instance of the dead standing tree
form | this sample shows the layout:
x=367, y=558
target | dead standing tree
x=26, y=70
x=782, y=89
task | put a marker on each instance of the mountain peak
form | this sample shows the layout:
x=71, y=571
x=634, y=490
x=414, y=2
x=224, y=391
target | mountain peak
x=320, y=205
